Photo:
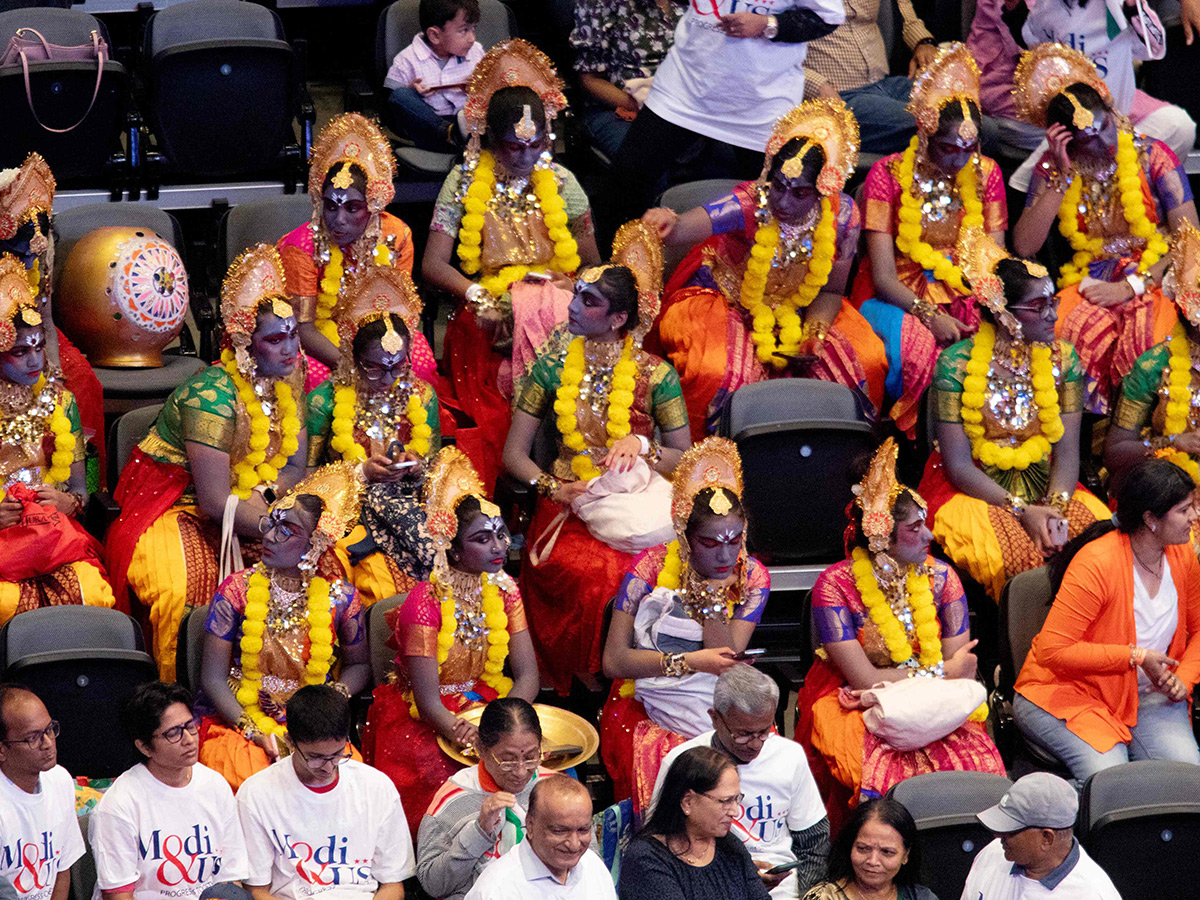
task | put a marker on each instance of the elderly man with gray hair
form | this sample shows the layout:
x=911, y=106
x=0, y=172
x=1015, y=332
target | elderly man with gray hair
x=780, y=817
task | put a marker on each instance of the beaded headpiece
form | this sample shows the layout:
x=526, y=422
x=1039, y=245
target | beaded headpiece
x=256, y=277
x=340, y=486
x=952, y=77
x=352, y=139
x=16, y=300
x=1183, y=278
x=713, y=463
x=1047, y=71
x=876, y=494
x=25, y=193
x=639, y=248
x=828, y=124
x=451, y=479
x=372, y=294
x=980, y=255
x=514, y=63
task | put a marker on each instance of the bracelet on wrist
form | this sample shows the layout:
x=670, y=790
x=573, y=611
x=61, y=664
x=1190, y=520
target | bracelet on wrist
x=1060, y=501
x=546, y=485
x=924, y=309
x=1016, y=505
x=674, y=665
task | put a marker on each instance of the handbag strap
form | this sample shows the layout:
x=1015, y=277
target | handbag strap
x=99, y=53
x=231, y=547
x=547, y=539
x=40, y=37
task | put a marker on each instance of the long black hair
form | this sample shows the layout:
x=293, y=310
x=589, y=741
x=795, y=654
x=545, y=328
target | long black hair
x=1061, y=111
x=699, y=770
x=889, y=812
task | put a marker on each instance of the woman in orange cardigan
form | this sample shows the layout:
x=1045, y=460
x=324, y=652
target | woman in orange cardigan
x=1110, y=673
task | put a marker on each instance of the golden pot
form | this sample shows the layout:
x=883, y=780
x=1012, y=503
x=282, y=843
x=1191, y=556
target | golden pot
x=123, y=297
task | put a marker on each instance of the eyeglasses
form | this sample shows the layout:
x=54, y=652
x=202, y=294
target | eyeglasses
x=284, y=531
x=728, y=802
x=746, y=737
x=375, y=372
x=335, y=760
x=51, y=731
x=1046, y=310
x=516, y=765
x=175, y=735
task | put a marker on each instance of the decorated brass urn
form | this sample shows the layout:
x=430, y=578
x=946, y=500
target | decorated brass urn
x=123, y=297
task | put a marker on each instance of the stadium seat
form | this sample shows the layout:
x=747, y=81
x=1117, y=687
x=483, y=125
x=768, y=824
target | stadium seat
x=944, y=805
x=82, y=661
x=261, y=221
x=1141, y=822
x=62, y=91
x=126, y=433
x=383, y=657
x=189, y=649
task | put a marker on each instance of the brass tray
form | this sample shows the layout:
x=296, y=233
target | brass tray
x=559, y=727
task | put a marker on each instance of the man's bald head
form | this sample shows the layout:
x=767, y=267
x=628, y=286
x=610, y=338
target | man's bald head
x=559, y=823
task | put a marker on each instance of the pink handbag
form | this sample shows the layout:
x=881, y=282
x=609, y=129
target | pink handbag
x=29, y=44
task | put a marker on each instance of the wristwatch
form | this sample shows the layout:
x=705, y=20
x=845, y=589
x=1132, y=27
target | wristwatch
x=772, y=29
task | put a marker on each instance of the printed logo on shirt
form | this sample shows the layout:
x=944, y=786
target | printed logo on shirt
x=32, y=867
x=758, y=822
x=714, y=9
x=323, y=867
x=183, y=862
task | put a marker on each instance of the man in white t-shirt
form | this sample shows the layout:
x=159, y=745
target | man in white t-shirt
x=781, y=819
x=553, y=861
x=320, y=823
x=168, y=828
x=1035, y=854
x=39, y=833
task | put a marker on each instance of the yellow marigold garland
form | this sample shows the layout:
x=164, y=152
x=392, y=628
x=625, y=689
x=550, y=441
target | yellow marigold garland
x=554, y=214
x=1036, y=448
x=1129, y=181
x=320, y=636
x=63, y=454
x=496, y=620
x=254, y=469
x=1179, y=399
x=345, y=406
x=908, y=232
x=784, y=316
x=331, y=286
x=620, y=401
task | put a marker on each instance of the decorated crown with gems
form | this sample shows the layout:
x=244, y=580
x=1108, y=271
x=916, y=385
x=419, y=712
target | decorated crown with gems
x=16, y=300
x=352, y=139
x=828, y=124
x=340, y=486
x=638, y=248
x=712, y=463
x=952, y=77
x=451, y=479
x=256, y=277
x=1045, y=72
x=876, y=495
x=514, y=63
x=25, y=193
x=1183, y=278
x=373, y=293
x=980, y=255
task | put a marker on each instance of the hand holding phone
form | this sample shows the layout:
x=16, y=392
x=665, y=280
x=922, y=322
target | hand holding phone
x=783, y=867
x=750, y=654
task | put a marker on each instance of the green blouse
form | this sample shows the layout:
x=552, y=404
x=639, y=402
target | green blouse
x=1139, y=390
x=320, y=421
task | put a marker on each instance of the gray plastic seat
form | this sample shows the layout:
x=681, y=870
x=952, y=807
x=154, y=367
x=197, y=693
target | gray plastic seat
x=262, y=221
x=383, y=657
x=689, y=195
x=189, y=654
x=125, y=434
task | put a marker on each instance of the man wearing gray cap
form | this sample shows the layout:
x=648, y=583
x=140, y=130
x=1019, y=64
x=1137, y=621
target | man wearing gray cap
x=1035, y=854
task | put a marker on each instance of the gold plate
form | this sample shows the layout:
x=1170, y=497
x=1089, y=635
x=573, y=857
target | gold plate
x=558, y=727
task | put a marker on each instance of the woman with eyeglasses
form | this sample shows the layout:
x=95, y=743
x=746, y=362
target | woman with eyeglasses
x=375, y=409
x=479, y=813
x=685, y=850
x=168, y=828
x=1003, y=487
x=281, y=624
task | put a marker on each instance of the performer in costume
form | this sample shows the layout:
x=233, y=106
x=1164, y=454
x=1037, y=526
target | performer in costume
x=1003, y=484
x=1117, y=196
x=291, y=627
x=225, y=437
x=376, y=410
x=513, y=211
x=41, y=449
x=351, y=181
x=682, y=612
x=607, y=396
x=26, y=207
x=452, y=635
x=887, y=612
x=762, y=296
x=914, y=205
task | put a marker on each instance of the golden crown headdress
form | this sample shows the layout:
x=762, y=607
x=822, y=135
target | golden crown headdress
x=340, y=486
x=952, y=77
x=451, y=479
x=1047, y=71
x=639, y=248
x=876, y=494
x=24, y=193
x=256, y=277
x=353, y=139
x=511, y=64
x=1183, y=278
x=828, y=124
x=372, y=294
x=16, y=299
x=713, y=463
x=980, y=255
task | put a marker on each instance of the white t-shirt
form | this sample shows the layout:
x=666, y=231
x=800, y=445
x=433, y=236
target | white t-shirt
x=341, y=843
x=39, y=833
x=1155, y=618
x=1078, y=878
x=168, y=842
x=520, y=875
x=732, y=89
x=780, y=797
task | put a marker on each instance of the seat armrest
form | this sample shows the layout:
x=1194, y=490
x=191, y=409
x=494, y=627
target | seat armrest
x=101, y=511
x=359, y=96
x=516, y=500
